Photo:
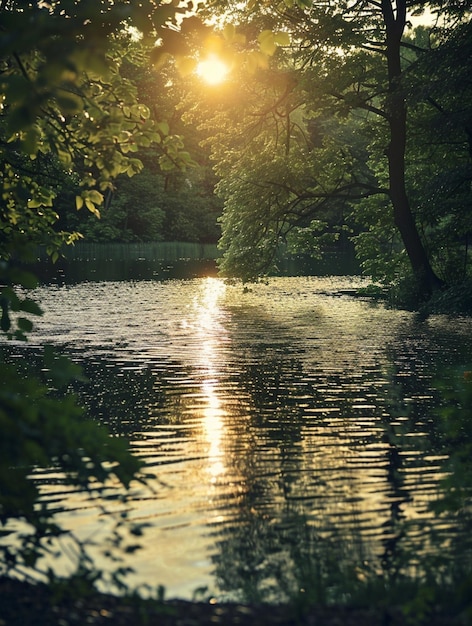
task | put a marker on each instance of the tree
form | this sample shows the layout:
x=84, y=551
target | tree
x=440, y=150
x=348, y=69
x=438, y=163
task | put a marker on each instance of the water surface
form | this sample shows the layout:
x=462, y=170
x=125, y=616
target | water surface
x=291, y=428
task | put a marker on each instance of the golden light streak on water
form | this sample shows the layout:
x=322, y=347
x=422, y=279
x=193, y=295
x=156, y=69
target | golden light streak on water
x=211, y=334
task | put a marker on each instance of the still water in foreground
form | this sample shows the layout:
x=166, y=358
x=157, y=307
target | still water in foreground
x=291, y=428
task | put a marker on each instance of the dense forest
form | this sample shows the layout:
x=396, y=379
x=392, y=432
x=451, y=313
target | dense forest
x=337, y=122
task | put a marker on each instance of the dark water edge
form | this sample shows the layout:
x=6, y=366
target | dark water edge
x=121, y=262
x=171, y=260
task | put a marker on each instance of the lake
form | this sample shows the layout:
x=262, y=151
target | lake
x=291, y=427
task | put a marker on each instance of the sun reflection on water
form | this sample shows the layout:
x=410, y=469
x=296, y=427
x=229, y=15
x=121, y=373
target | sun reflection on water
x=211, y=336
x=213, y=430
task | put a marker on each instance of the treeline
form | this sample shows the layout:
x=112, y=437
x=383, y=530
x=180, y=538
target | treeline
x=150, y=206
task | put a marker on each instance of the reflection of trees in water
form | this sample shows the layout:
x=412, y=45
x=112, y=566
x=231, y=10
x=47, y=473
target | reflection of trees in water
x=418, y=541
x=263, y=559
x=118, y=395
x=393, y=531
x=282, y=542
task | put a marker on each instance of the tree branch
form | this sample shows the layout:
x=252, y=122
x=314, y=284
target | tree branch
x=362, y=105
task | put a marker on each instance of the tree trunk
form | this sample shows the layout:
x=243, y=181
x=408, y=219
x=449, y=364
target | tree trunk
x=397, y=116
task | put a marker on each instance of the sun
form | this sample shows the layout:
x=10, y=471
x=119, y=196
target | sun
x=212, y=69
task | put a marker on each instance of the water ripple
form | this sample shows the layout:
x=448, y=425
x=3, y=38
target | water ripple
x=289, y=419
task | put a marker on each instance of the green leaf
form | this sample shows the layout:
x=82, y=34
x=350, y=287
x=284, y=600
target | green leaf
x=163, y=127
x=22, y=277
x=91, y=207
x=95, y=196
x=70, y=103
x=282, y=38
x=24, y=324
x=30, y=140
x=30, y=306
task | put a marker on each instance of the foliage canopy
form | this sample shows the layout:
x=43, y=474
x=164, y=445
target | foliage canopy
x=347, y=126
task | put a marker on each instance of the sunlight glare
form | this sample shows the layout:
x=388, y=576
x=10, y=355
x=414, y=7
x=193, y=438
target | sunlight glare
x=213, y=70
x=213, y=426
x=211, y=336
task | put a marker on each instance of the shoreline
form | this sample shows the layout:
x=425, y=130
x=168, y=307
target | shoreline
x=25, y=604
